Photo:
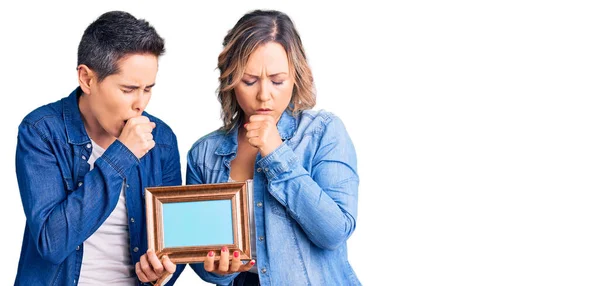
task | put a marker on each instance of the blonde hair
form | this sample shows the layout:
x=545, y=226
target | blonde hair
x=251, y=31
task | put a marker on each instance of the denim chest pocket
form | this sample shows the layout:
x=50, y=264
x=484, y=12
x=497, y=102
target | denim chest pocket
x=74, y=171
x=69, y=182
x=82, y=169
x=213, y=175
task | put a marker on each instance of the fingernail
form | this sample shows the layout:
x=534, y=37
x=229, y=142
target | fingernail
x=252, y=262
x=245, y=124
x=236, y=254
x=149, y=250
x=211, y=253
x=165, y=256
x=224, y=249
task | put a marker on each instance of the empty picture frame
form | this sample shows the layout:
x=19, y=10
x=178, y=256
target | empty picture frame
x=186, y=222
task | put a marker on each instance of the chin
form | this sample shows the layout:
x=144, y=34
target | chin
x=115, y=132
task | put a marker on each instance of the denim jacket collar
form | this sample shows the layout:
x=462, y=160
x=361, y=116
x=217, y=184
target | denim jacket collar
x=286, y=127
x=76, y=133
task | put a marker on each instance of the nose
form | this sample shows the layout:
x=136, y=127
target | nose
x=263, y=93
x=141, y=101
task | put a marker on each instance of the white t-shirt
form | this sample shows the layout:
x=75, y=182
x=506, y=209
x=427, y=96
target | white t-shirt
x=106, y=256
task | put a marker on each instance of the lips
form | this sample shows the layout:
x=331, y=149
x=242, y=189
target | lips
x=263, y=111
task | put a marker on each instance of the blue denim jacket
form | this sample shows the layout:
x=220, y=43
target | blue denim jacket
x=65, y=202
x=305, y=198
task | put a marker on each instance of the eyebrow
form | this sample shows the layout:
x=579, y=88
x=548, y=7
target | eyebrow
x=272, y=75
x=135, y=86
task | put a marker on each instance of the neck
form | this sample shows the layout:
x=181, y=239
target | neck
x=92, y=126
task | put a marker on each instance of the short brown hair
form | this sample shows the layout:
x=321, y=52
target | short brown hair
x=251, y=31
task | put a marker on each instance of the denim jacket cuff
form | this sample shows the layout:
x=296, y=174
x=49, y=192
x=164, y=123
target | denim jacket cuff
x=280, y=161
x=220, y=279
x=118, y=156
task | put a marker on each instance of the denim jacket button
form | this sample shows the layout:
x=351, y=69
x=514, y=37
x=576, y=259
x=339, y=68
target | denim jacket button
x=79, y=184
x=259, y=170
x=77, y=248
x=88, y=146
x=259, y=204
x=135, y=249
x=263, y=270
x=261, y=238
x=132, y=220
x=83, y=157
x=266, y=169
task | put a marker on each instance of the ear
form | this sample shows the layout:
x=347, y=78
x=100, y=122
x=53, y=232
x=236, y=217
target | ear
x=86, y=77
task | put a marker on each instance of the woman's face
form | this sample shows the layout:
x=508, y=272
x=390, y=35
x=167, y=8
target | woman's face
x=266, y=86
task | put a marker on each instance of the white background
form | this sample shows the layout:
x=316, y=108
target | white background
x=476, y=123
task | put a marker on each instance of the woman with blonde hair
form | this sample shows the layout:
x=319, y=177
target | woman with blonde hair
x=302, y=162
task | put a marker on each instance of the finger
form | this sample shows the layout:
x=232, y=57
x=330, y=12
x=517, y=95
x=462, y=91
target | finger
x=150, y=144
x=168, y=264
x=255, y=142
x=140, y=274
x=224, y=259
x=144, y=128
x=148, y=136
x=235, y=262
x=209, y=262
x=252, y=125
x=247, y=266
x=143, y=119
x=260, y=117
x=257, y=125
x=145, y=266
x=253, y=133
x=155, y=262
x=138, y=120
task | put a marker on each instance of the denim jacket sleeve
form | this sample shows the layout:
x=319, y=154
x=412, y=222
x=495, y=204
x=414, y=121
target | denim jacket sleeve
x=193, y=177
x=58, y=220
x=323, y=202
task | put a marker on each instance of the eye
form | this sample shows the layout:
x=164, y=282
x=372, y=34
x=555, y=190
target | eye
x=277, y=82
x=127, y=90
x=148, y=90
x=249, y=83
